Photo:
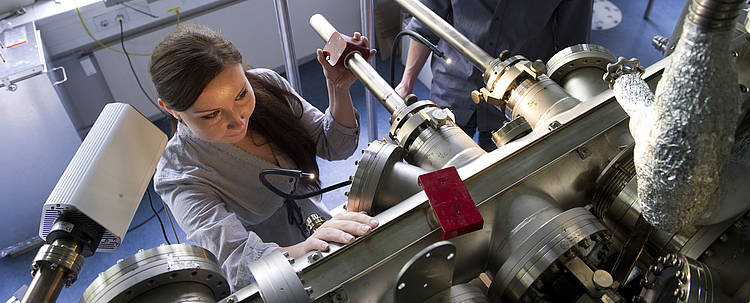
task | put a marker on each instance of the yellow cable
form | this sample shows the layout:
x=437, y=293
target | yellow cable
x=112, y=49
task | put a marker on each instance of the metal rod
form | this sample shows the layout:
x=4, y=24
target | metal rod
x=46, y=285
x=445, y=31
x=368, y=30
x=287, y=44
x=359, y=66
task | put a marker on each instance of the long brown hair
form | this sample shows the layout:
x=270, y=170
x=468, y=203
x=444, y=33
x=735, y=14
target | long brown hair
x=188, y=58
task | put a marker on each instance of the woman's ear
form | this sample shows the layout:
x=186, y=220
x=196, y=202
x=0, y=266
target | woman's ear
x=166, y=108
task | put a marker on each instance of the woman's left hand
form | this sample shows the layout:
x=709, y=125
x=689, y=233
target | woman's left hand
x=341, y=77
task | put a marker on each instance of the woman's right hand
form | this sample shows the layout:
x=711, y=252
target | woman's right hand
x=342, y=228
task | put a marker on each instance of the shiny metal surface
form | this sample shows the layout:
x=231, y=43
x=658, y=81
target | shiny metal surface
x=63, y=253
x=460, y=293
x=449, y=146
x=145, y=273
x=579, y=69
x=55, y=265
x=727, y=255
x=277, y=280
x=359, y=66
x=368, y=30
x=426, y=274
x=691, y=241
x=538, y=101
x=287, y=43
x=440, y=27
x=532, y=254
x=46, y=285
x=179, y=292
x=381, y=179
x=676, y=278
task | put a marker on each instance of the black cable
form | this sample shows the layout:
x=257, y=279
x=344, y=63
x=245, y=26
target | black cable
x=169, y=216
x=295, y=174
x=420, y=39
x=122, y=43
x=130, y=63
x=144, y=221
x=163, y=231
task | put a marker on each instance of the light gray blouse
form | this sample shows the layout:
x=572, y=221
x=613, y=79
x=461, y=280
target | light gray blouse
x=214, y=192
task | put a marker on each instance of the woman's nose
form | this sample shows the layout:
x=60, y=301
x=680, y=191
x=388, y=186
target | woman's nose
x=238, y=119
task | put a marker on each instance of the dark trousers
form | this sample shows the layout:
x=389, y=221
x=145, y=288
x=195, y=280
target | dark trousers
x=485, y=137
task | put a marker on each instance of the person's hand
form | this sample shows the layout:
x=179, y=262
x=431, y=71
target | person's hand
x=403, y=89
x=342, y=228
x=341, y=77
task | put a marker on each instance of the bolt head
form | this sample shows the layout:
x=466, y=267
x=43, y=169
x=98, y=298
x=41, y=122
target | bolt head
x=554, y=125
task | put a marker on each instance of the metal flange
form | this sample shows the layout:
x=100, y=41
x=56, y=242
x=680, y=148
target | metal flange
x=532, y=255
x=159, y=268
x=277, y=280
x=510, y=131
x=377, y=158
x=578, y=56
x=676, y=277
x=60, y=253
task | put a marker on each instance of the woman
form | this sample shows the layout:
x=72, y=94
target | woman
x=231, y=123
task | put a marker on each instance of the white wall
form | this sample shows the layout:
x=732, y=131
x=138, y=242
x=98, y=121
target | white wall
x=250, y=25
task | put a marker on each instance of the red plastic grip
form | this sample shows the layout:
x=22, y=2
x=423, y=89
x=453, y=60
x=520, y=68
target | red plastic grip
x=453, y=206
x=339, y=46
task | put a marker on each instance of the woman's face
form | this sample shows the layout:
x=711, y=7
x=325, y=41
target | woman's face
x=221, y=112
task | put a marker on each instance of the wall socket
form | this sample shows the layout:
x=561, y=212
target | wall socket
x=110, y=19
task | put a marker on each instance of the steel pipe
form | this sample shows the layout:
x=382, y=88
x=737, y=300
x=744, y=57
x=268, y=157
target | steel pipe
x=46, y=285
x=363, y=70
x=440, y=27
x=287, y=44
x=368, y=30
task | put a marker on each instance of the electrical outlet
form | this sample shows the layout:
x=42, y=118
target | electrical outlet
x=111, y=19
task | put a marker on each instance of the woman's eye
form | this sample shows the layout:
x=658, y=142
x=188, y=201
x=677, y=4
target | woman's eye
x=210, y=116
x=241, y=95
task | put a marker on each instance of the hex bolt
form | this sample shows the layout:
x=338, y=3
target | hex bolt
x=314, y=257
x=309, y=290
x=680, y=275
x=538, y=66
x=680, y=294
x=554, y=125
x=723, y=238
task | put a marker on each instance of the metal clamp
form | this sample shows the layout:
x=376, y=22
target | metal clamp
x=621, y=67
x=60, y=253
x=277, y=280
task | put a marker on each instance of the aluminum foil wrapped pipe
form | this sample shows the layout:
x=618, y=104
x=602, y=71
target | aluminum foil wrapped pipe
x=361, y=68
x=684, y=141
